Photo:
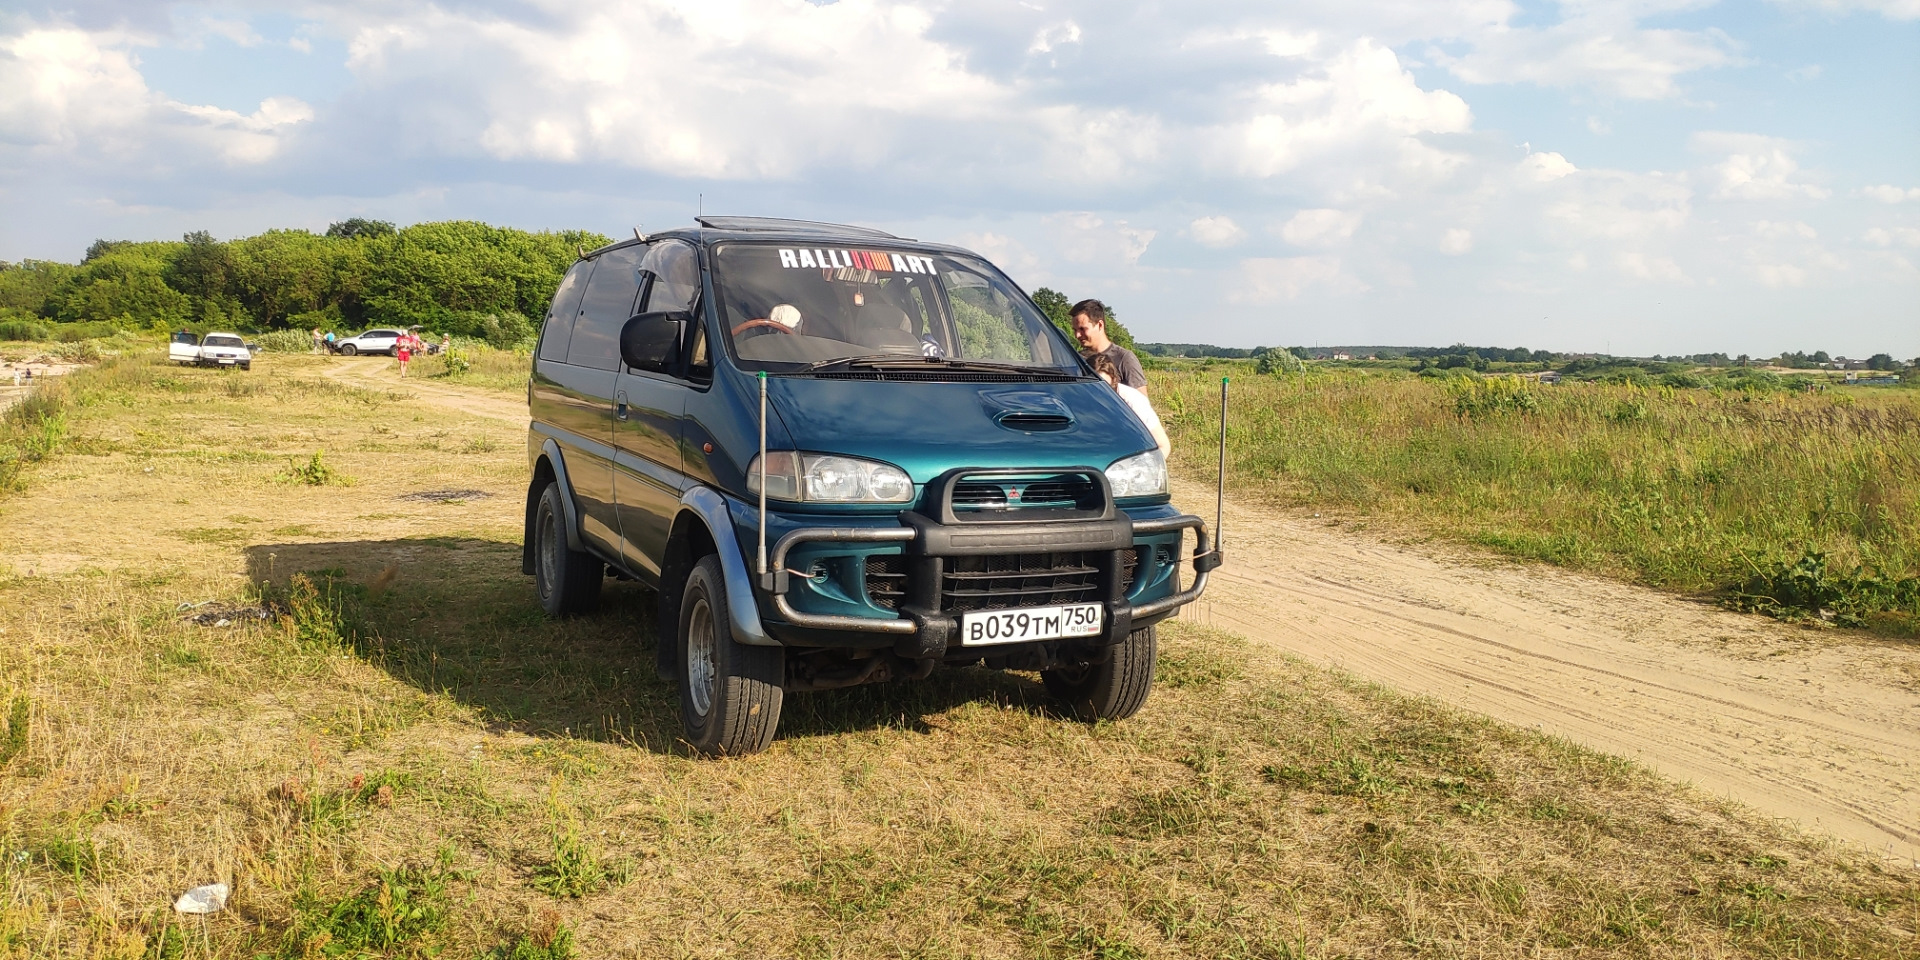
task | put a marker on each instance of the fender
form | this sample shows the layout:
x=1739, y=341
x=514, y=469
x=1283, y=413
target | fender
x=551, y=451
x=711, y=508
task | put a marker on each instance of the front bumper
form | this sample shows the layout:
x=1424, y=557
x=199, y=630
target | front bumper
x=1132, y=594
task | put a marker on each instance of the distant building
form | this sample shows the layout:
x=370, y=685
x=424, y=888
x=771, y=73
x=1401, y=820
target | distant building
x=1342, y=356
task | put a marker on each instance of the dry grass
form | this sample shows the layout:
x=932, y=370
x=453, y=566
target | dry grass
x=409, y=760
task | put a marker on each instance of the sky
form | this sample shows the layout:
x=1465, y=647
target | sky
x=1634, y=177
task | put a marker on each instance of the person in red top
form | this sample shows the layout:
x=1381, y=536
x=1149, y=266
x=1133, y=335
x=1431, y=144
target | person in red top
x=403, y=351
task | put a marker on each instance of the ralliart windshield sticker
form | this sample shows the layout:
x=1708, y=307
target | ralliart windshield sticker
x=875, y=260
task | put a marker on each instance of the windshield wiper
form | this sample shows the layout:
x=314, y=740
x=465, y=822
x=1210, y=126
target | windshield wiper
x=869, y=360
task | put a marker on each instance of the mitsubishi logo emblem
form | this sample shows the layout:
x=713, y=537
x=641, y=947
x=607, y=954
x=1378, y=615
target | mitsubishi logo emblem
x=1013, y=493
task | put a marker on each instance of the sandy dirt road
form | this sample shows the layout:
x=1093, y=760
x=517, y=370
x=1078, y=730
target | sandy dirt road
x=1819, y=727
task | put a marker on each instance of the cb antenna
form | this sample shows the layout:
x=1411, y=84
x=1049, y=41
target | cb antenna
x=1220, y=485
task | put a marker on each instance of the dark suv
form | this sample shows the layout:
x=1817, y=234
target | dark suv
x=842, y=456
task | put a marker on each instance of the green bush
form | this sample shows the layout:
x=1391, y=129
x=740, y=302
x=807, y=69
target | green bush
x=76, y=332
x=25, y=330
x=502, y=330
x=285, y=341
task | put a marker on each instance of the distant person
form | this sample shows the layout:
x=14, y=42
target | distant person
x=329, y=341
x=1136, y=401
x=403, y=352
x=1090, y=328
x=319, y=342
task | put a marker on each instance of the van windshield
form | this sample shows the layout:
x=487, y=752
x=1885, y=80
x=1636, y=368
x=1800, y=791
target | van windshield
x=788, y=307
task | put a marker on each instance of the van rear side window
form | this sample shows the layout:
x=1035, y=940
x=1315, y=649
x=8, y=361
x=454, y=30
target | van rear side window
x=558, y=331
x=605, y=309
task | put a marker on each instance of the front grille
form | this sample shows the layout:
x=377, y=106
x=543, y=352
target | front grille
x=887, y=580
x=1018, y=580
x=1065, y=492
x=1001, y=581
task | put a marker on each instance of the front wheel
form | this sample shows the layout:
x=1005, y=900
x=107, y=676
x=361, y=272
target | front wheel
x=348, y=349
x=730, y=693
x=569, y=580
x=1114, y=690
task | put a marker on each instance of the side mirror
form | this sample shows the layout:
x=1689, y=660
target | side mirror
x=651, y=341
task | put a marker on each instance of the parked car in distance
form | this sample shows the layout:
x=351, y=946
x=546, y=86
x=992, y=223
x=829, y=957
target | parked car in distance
x=225, y=350
x=843, y=457
x=382, y=340
x=184, y=348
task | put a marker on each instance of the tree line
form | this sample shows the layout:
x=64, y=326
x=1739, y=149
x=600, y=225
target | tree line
x=459, y=277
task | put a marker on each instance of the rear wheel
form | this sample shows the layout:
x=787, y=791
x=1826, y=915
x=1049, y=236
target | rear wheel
x=1114, y=690
x=569, y=580
x=730, y=694
x=349, y=349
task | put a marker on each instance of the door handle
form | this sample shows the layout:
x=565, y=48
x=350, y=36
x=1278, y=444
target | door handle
x=620, y=407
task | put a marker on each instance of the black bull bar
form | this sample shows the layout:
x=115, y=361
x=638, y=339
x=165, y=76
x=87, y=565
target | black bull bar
x=923, y=632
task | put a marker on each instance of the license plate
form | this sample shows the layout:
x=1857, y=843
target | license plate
x=1031, y=623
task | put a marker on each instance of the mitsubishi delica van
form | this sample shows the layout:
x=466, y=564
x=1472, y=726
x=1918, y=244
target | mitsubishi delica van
x=841, y=457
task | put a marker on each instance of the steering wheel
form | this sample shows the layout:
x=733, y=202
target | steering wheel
x=762, y=324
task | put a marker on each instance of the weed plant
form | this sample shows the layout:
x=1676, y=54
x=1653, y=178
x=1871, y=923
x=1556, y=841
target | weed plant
x=474, y=362
x=1789, y=503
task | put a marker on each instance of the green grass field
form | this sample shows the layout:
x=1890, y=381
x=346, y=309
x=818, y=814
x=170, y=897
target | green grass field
x=242, y=644
x=1789, y=503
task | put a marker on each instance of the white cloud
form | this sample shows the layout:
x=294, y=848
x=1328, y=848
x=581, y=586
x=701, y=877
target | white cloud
x=1756, y=168
x=1362, y=96
x=1617, y=205
x=1642, y=267
x=1597, y=126
x=1779, y=275
x=1545, y=167
x=1216, y=232
x=1782, y=230
x=68, y=90
x=1890, y=236
x=1086, y=238
x=1891, y=9
x=1595, y=46
x=1320, y=228
x=1811, y=71
x=1271, y=279
x=1055, y=35
x=1888, y=193
x=1456, y=242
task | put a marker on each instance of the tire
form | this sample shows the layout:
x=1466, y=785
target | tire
x=1114, y=690
x=395, y=352
x=348, y=350
x=246, y=366
x=568, y=580
x=730, y=693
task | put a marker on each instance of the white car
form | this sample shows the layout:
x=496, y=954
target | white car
x=373, y=341
x=184, y=348
x=225, y=350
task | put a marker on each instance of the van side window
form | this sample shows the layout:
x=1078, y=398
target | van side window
x=676, y=273
x=604, y=309
x=558, y=330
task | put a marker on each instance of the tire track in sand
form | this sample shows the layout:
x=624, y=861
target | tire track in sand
x=1820, y=727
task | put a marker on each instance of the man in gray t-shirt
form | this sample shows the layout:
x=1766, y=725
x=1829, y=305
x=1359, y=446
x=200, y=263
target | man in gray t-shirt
x=1090, y=328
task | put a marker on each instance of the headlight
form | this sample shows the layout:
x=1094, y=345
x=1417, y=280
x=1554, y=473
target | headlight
x=1141, y=476
x=825, y=478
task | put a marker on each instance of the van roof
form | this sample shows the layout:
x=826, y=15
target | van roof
x=720, y=228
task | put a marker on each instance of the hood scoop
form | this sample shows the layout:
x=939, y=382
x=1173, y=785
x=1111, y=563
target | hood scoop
x=1028, y=411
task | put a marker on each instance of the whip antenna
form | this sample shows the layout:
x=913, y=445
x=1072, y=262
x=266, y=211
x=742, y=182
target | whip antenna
x=1220, y=486
x=763, y=474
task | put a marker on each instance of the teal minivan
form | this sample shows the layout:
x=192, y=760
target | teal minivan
x=841, y=457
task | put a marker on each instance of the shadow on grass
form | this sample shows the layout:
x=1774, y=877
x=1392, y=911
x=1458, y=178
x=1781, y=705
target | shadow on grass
x=454, y=615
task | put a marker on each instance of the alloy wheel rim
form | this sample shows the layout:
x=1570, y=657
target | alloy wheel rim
x=549, y=561
x=700, y=657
